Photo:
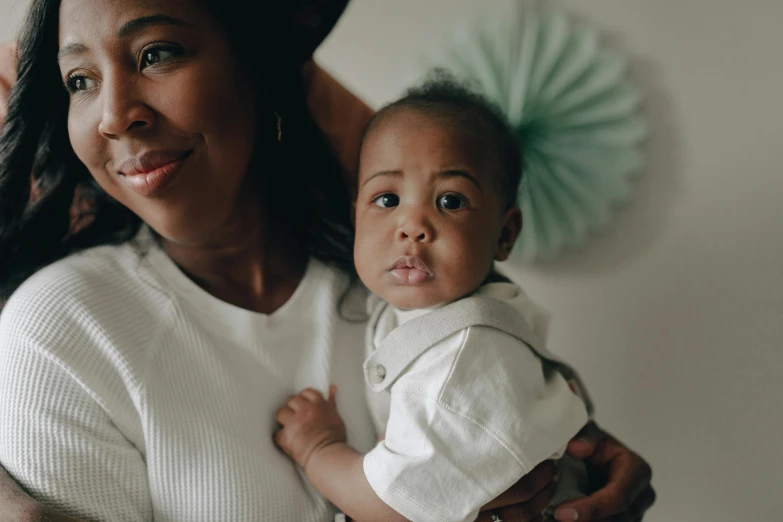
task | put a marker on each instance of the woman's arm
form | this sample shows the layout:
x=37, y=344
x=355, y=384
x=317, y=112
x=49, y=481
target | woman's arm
x=57, y=439
x=7, y=75
x=339, y=113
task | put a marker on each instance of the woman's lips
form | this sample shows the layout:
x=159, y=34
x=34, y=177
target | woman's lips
x=152, y=172
x=410, y=271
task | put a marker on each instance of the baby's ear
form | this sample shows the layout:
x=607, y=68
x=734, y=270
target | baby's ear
x=512, y=226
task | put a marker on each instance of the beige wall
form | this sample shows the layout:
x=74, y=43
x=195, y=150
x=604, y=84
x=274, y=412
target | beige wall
x=11, y=14
x=674, y=314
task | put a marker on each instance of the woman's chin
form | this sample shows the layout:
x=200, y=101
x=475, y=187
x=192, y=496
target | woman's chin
x=186, y=228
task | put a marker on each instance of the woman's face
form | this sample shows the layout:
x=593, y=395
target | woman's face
x=160, y=112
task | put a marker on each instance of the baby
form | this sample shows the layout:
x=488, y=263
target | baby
x=460, y=385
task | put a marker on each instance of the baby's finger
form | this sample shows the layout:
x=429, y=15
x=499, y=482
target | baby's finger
x=284, y=415
x=297, y=402
x=333, y=394
x=281, y=441
x=312, y=395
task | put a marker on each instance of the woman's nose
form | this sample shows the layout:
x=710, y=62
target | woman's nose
x=415, y=227
x=123, y=109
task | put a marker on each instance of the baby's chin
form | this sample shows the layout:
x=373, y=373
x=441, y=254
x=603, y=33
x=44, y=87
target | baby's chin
x=415, y=297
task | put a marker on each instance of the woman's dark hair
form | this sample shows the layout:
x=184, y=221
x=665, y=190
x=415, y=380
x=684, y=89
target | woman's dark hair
x=442, y=95
x=302, y=183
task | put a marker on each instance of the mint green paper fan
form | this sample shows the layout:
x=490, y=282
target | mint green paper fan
x=576, y=112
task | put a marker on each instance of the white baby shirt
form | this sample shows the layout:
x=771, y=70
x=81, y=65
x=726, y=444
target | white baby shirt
x=469, y=412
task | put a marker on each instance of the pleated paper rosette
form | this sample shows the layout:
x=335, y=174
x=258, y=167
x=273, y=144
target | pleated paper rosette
x=573, y=106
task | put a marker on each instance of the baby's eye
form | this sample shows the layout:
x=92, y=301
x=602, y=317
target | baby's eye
x=451, y=201
x=387, y=200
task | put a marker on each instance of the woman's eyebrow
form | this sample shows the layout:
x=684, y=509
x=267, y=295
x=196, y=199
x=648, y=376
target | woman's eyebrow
x=71, y=49
x=145, y=21
x=126, y=30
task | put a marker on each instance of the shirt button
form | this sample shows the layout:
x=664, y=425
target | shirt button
x=378, y=374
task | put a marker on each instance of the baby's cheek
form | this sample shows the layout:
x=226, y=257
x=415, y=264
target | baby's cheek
x=363, y=258
x=475, y=256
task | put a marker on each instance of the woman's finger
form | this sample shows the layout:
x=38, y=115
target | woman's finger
x=586, y=442
x=527, y=487
x=487, y=516
x=643, y=502
x=531, y=510
x=625, y=517
x=616, y=498
x=333, y=394
x=599, y=506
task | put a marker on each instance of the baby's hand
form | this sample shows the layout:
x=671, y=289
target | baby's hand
x=310, y=423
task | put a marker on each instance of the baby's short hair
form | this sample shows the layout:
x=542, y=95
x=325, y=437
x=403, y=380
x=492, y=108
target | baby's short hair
x=442, y=95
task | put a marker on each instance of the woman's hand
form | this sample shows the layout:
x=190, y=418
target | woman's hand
x=310, y=423
x=7, y=75
x=625, y=492
x=525, y=500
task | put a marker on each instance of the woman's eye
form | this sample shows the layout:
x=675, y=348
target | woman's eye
x=387, y=200
x=451, y=202
x=155, y=55
x=79, y=83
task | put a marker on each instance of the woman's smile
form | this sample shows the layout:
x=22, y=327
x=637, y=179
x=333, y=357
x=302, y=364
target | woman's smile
x=151, y=172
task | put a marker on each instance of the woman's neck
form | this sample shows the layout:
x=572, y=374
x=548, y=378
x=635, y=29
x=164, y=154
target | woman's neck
x=242, y=263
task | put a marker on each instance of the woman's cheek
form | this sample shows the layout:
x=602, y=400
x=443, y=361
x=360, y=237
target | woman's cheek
x=88, y=145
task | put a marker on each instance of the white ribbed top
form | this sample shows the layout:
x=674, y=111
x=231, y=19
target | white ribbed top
x=129, y=393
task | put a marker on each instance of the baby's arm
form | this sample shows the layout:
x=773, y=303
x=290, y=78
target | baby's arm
x=313, y=436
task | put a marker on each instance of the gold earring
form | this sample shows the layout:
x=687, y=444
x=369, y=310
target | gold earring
x=279, y=128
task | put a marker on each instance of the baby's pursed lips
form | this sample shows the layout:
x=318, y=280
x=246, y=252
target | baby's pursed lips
x=411, y=262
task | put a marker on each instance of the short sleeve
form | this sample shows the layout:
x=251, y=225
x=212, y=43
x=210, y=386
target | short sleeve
x=57, y=441
x=451, y=448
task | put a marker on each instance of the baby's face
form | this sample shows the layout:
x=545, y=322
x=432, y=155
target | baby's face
x=429, y=219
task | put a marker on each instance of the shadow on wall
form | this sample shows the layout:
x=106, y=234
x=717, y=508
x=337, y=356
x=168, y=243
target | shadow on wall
x=639, y=222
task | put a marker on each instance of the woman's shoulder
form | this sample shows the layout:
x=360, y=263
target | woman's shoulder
x=97, y=297
x=83, y=277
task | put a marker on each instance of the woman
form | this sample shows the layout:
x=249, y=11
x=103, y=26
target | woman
x=197, y=284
